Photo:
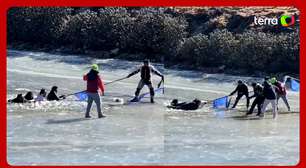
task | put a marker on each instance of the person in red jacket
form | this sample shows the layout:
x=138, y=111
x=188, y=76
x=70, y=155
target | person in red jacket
x=280, y=91
x=94, y=83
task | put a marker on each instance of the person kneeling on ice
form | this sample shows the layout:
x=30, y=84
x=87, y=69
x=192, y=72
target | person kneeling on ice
x=94, y=83
x=280, y=91
x=259, y=98
x=145, y=74
x=53, y=95
x=194, y=105
x=270, y=97
x=41, y=96
x=242, y=90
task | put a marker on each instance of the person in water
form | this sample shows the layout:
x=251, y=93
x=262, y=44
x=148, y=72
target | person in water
x=41, y=96
x=52, y=95
x=94, y=83
x=242, y=90
x=29, y=96
x=18, y=99
x=194, y=105
x=22, y=99
x=145, y=73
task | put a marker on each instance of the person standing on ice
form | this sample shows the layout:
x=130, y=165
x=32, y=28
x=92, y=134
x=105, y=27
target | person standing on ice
x=280, y=91
x=259, y=98
x=270, y=97
x=242, y=90
x=94, y=83
x=145, y=74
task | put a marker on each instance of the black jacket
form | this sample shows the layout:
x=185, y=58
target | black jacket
x=52, y=96
x=18, y=99
x=258, y=91
x=241, y=89
x=269, y=91
x=186, y=106
x=145, y=72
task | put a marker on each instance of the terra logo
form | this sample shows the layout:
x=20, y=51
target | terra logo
x=287, y=21
x=284, y=20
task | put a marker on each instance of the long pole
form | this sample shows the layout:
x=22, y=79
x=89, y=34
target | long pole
x=116, y=80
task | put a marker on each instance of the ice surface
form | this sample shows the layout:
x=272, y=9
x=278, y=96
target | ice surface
x=55, y=133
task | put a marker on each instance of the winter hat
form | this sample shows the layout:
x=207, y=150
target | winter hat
x=95, y=67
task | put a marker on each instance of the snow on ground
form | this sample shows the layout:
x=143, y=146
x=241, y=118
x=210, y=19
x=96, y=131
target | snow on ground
x=55, y=133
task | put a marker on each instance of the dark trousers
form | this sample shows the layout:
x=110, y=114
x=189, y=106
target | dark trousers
x=258, y=101
x=239, y=97
x=141, y=85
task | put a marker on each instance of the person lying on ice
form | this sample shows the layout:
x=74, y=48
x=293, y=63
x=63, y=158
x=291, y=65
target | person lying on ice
x=145, y=74
x=242, y=90
x=194, y=105
x=53, y=95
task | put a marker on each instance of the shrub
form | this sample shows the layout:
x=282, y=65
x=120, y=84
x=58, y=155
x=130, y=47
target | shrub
x=156, y=34
x=251, y=50
x=77, y=29
x=194, y=51
x=214, y=50
x=223, y=48
x=36, y=24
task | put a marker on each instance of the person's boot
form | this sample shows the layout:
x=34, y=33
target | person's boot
x=137, y=92
x=261, y=115
x=101, y=116
x=87, y=116
x=152, y=100
x=248, y=113
x=135, y=99
x=152, y=95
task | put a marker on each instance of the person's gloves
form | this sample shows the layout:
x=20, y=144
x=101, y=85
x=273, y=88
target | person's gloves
x=62, y=97
x=160, y=82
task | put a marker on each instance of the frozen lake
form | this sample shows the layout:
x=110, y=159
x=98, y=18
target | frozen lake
x=140, y=134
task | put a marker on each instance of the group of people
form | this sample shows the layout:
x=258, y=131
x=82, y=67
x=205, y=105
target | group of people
x=267, y=93
x=95, y=83
x=42, y=96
